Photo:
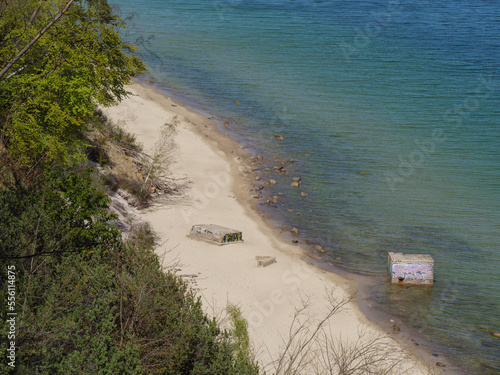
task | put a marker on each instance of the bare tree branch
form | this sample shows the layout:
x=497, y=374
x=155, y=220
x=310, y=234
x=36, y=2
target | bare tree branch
x=312, y=348
x=35, y=39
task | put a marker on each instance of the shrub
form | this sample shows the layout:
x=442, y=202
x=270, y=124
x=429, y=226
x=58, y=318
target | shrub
x=88, y=303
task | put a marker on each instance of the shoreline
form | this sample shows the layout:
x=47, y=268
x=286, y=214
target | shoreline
x=265, y=295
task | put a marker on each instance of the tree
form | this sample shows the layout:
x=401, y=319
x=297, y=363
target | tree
x=89, y=303
x=60, y=60
x=62, y=214
x=11, y=63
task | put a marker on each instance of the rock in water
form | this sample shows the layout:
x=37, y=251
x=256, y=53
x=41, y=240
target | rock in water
x=494, y=333
x=320, y=249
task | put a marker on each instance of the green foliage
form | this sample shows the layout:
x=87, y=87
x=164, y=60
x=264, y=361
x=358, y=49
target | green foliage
x=114, y=132
x=69, y=324
x=98, y=305
x=239, y=333
x=87, y=302
x=61, y=214
x=142, y=236
x=48, y=96
x=123, y=138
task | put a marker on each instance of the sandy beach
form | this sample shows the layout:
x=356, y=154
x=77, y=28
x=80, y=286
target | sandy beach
x=214, y=178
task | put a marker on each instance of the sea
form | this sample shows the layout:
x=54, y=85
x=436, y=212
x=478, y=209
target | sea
x=390, y=110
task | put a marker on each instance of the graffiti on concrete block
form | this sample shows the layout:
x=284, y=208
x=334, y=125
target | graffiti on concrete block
x=231, y=237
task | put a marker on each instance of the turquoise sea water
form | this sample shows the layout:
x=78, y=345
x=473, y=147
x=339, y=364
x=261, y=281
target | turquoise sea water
x=391, y=110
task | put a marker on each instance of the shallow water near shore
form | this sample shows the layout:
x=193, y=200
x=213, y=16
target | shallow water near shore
x=390, y=110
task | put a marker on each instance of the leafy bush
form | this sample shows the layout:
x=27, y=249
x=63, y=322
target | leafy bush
x=239, y=333
x=49, y=87
x=88, y=303
x=142, y=236
x=114, y=132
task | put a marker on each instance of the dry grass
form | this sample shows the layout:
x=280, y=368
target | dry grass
x=123, y=163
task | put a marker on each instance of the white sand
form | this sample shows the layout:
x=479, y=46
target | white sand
x=218, y=192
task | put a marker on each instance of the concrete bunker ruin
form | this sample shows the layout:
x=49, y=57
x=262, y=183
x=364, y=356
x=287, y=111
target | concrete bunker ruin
x=216, y=234
x=411, y=268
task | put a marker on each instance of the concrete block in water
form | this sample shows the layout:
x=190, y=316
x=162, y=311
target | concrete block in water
x=215, y=234
x=411, y=268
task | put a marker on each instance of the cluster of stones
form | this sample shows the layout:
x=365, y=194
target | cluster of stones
x=279, y=168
